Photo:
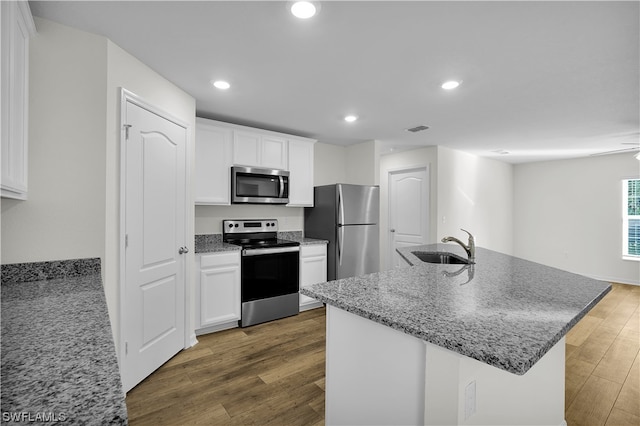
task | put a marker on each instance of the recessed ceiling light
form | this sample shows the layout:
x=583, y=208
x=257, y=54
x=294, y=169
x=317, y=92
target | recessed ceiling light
x=221, y=84
x=303, y=9
x=451, y=84
x=350, y=118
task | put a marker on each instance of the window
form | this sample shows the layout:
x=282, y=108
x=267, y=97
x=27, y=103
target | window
x=631, y=219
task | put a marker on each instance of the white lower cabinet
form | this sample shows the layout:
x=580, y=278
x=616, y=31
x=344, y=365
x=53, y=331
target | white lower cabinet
x=218, y=292
x=313, y=270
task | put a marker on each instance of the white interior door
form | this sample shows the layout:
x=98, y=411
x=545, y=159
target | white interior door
x=153, y=303
x=408, y=211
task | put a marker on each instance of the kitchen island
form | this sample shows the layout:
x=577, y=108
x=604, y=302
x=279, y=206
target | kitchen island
x=451, y=344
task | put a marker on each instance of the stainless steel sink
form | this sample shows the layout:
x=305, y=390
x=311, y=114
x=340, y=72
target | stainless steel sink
x=440, y=257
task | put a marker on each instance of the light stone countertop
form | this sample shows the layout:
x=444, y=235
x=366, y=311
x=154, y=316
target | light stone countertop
x=58, y=357
x=504, y=311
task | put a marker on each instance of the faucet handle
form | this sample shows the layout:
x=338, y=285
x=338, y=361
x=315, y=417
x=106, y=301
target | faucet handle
x=471, y=237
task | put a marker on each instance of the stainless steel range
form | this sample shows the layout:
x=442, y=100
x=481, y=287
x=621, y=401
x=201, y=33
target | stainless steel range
x=269, y=268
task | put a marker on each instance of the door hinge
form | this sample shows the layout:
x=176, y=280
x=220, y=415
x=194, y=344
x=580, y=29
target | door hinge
x=126, y=348
x=126, y=130
x=126, y=240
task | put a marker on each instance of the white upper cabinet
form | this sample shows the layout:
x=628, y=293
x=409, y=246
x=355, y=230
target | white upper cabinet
x=16, y=28
x=274, y=153
x=214, y=158
x=300, y=173
x=221, y=145
x=246, y=149
x=259, y=150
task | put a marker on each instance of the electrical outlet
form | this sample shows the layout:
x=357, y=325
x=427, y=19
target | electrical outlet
x=470, y=400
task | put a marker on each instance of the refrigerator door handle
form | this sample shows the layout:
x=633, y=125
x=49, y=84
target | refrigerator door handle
x=340, y=238
x=340, y=206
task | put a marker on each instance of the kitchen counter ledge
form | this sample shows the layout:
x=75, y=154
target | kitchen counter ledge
x=503, y=311
x=58, y=358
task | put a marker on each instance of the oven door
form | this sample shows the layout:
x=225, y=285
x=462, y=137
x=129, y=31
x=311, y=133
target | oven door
x=269, y=272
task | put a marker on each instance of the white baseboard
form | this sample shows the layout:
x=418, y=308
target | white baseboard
x=219, y=327
x=310, y=306
x=615, y=280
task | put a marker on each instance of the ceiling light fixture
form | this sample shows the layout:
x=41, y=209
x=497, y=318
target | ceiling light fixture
x=303, y=9
x=221, y=84
x=350, y=118
x=451, y=84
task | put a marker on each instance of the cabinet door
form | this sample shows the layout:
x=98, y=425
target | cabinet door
x=246, y=149
x=17, y=26
x=213, y=162
x=313, y=269
x=300, y=174
x=274, y=152
x=219, y=289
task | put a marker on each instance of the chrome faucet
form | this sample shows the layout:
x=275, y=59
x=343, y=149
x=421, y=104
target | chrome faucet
x=470, y=248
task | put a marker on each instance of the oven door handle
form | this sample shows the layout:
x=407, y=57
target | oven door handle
x=275, y=250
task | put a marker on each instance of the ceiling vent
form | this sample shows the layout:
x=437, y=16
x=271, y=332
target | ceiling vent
x=417, y=129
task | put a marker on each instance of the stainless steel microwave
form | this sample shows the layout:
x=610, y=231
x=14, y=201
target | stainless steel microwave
x=253, y=185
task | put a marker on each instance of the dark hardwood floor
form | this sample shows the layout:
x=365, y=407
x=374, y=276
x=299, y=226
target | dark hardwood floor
x=273, y=373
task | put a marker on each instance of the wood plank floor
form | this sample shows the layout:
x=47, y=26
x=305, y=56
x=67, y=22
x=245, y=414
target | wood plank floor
x=268, y=374
x=273, y=374
x=602, y=373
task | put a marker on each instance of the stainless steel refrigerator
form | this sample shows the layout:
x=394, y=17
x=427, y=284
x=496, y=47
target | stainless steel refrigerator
x=347, y=216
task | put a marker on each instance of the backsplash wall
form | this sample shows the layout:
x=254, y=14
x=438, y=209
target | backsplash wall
x=209, y=219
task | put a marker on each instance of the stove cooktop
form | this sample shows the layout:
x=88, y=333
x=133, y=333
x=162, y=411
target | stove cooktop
x=271, y=242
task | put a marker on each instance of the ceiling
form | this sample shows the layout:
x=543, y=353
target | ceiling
x=540, y=80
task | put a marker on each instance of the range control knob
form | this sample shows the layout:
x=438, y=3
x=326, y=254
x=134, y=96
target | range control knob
x=230, y=225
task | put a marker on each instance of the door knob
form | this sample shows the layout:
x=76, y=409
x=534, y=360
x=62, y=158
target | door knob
x=392, y=230
x=183, y=250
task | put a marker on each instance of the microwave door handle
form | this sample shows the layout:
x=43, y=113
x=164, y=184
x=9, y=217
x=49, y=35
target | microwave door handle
x=281, y=179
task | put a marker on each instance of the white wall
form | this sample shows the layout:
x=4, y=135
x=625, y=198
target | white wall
x=74, y=157
x=363, y=163
x=330, y=165
x=65, y=214
x=475, y=193
x=568, y=214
